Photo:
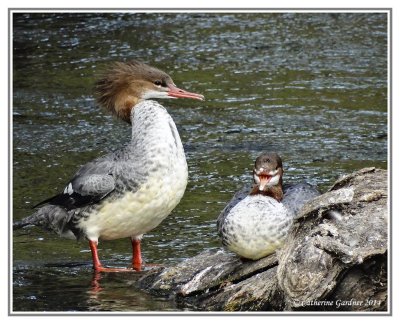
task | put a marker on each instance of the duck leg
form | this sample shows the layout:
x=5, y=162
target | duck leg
x=95, y=256
x=136, y=254
x=137, y=262
x=97, y=266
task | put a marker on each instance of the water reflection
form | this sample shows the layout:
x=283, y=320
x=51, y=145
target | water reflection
x=68, y=287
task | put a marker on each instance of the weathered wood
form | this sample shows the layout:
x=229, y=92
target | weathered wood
x=206, y=271
x=320, y=248
x=334, y=259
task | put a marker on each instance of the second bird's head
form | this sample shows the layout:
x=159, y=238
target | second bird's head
x=123, y=85
x=268, y=171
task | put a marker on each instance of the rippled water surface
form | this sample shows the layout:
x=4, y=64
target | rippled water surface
x=312, y=87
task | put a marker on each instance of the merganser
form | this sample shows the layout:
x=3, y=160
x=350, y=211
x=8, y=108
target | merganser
x=256, y=221
x=128, y=192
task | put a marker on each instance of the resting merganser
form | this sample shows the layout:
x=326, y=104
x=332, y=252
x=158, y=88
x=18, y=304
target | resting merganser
x=254, y=224
x=130, y=191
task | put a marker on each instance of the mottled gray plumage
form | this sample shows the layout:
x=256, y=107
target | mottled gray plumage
x=256, y=226
x=50, y=217
x=93, y=185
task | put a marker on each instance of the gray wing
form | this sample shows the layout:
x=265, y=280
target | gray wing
x=296, y=195
x=93, y=182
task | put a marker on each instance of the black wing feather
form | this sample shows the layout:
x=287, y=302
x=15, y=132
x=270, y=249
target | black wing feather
x=72, y=201
x=83, y=191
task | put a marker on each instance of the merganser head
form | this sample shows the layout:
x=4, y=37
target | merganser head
x=267, y=175
x=124, y=85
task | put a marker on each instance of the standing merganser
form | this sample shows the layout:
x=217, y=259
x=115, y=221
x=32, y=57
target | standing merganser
x=254, y=224
x=132, y=190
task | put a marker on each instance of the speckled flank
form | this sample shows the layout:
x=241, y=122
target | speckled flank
x=256, y=227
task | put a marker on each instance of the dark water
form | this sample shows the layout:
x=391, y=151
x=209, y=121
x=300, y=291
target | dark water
x=312, y=87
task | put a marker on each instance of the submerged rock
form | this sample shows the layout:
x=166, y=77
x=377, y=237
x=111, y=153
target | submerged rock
x=334, y=259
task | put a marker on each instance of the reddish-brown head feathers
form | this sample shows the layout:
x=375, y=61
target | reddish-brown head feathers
x=123, y=85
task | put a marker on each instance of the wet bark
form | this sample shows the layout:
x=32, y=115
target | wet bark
x=334, y=259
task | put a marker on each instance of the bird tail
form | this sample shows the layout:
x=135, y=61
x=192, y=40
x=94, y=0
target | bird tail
x=50, y=217
x=21, y=224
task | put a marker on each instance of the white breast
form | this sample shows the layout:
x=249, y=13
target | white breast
x=159, y=147
x=256, y=227
x=137, y=213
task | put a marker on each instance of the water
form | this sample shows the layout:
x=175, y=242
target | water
x=312, y=87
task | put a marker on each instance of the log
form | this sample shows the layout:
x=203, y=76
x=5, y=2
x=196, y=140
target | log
x=334, y=259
